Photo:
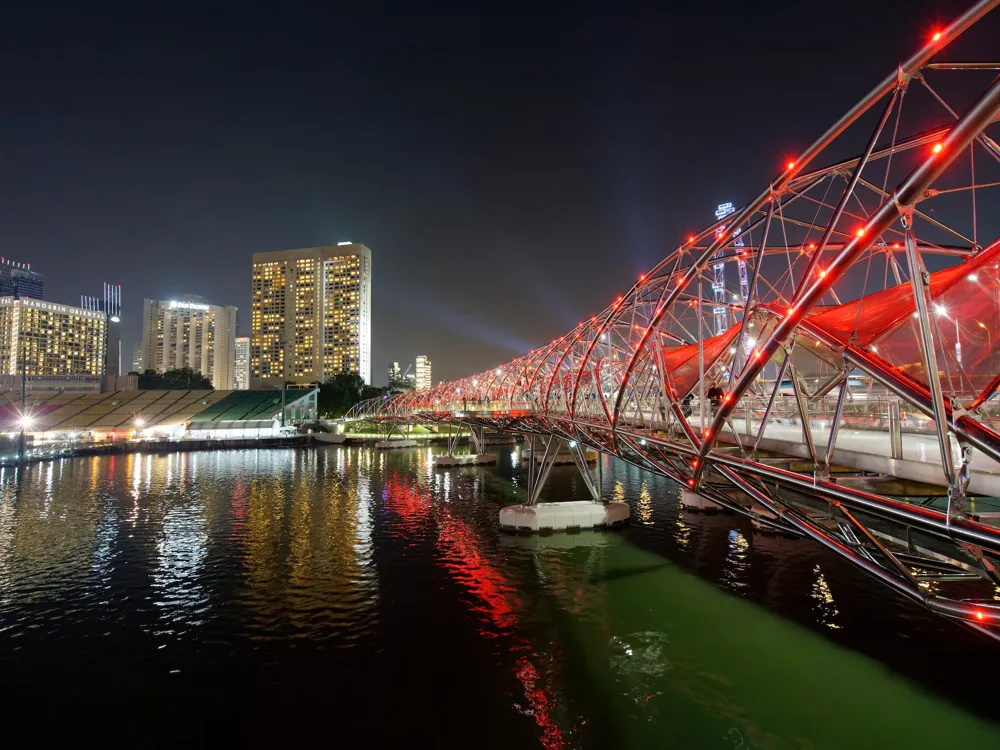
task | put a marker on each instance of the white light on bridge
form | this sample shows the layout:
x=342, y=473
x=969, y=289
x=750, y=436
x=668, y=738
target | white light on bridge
x=572, y=443
x=939, y=309
x=973, y=277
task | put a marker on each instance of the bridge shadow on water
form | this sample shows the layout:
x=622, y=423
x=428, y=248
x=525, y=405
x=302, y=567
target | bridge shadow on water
x=685, y=615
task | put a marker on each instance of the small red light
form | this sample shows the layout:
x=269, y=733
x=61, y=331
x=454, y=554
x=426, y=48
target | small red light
x=691, y=482
x=756, y=353
x=937, y=148
x=822, y=273
x=937, y=36
x=791, y=310
x=979, y=615
x=860, y=232
x=728, y=398
x=642, y=277
x=680, y=281
x=812, y=245
x=791, y=165
x=708, y=433
x=690, y=238
x=695, y=463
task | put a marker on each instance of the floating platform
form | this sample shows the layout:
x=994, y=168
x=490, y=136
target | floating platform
x=468, y=459
x=396, y=444
x=330, y=438
x=579, y=514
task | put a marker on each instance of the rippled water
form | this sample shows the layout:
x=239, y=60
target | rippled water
x=353, y=597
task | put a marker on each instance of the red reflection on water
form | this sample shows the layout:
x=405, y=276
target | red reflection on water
x=464, y=559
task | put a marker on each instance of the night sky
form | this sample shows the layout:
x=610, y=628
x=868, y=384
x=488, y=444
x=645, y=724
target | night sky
x=511, y=169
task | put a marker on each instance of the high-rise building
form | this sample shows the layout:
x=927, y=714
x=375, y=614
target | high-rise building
x=311, y=314
x=423, y=373
x=111, y=305
x=242, y=367
x=137, y=358
x=395, y=374
x=18, y=280
x=190, y=332
x=44, y=338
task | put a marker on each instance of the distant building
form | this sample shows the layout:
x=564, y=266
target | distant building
x=423, y=372
x=137, y=358
x=311, y=314
x=241, y=377
x=43, y=338
x=395, y=374
x=190, y=332
x=110, y=303
x=18, y=280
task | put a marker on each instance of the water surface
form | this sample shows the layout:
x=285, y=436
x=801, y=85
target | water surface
x=349, y=596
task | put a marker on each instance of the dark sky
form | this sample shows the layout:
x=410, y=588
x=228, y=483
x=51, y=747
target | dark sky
x=511, y=168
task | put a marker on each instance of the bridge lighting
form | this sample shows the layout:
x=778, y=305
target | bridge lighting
x=642, y=441
x=979, y=615
x=732, y=350
x=756, y=354
x=822, y=273
x=691, y=482
x=498, y=371
x=25, y=421
x=572, y=443
x=936, y=37
x=708, y=433
x=138, y=422
x=604, y=337
x=860, y=232
x=690, y=238
x=973, y=277
x=791, y=165
x=939, y=309
x=937, y=148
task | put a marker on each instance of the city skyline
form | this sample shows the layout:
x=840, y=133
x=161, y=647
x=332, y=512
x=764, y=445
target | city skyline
x=533, y=166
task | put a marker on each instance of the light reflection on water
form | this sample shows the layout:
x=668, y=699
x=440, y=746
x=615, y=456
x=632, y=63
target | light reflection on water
x=351, y=568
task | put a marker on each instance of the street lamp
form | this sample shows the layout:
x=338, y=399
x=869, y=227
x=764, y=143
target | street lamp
x=25, y=422
x=943, y=312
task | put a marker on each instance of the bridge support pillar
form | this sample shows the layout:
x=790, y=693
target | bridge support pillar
x=562, y=516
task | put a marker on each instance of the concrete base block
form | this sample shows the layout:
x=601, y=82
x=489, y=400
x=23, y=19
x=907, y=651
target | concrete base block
x=691, y=500
x=468, y=459
x=581, y=514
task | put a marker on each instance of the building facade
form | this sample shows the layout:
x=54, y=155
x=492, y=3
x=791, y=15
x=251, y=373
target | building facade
x=43, y=338
x=18, y=280
x=241, y=377
x=137, y=358
x=110, y=303
x=310, y=314
x=190, y=332
x=423, y=372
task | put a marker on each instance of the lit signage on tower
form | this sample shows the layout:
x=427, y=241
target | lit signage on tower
x=179, y=305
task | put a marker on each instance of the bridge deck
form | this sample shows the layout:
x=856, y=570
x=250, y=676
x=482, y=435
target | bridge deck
x=870, y=450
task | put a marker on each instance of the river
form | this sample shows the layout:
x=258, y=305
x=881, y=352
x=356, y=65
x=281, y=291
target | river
x=344, y=595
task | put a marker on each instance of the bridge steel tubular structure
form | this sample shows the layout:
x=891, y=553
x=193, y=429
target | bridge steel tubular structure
x=794, y=458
